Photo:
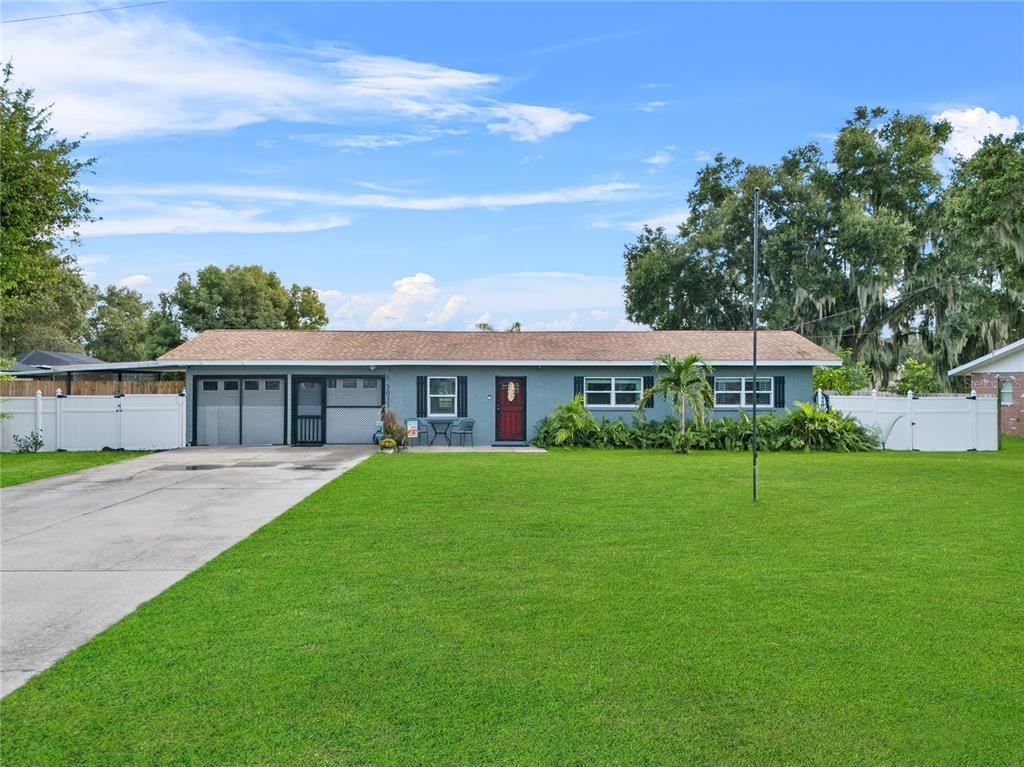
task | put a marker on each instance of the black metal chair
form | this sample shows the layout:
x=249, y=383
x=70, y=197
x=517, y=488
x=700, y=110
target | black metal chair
x=462, y=427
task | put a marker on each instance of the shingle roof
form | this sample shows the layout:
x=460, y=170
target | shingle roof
x=40, y=357
x=475, y=346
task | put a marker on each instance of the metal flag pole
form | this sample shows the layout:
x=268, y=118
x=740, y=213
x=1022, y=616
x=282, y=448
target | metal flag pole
x=753, y=323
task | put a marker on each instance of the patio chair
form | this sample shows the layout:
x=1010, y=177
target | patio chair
x=462, y=427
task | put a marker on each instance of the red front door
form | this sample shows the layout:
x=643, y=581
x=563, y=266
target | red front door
x=510, y=409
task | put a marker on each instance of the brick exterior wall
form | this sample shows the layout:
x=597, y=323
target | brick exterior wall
x=1011, y=417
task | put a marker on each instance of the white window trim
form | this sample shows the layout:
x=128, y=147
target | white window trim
x=1008, y=400
x=454, y=395
x=744, y=405
x=614, y=392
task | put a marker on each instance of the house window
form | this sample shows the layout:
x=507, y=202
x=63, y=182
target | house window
x=272, y=385
x=739, y=392
x=252, y=385
x=1006, y=391
x=612, y=392
x=369, y=383
x=231, y=386
x=441, y=395
x=209, y=386
x=348, y=383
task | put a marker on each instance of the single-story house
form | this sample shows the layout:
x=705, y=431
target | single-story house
x=315, y=387
x=1000, y=373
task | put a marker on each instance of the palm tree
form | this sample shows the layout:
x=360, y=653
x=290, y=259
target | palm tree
x=683, y=383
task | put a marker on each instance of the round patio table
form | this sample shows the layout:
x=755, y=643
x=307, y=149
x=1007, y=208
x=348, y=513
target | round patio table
x=441, y=428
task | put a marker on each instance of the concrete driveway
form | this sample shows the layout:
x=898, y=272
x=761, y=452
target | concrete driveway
x=81, y=551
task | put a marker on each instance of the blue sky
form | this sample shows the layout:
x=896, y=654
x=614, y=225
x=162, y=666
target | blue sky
x=429, y=165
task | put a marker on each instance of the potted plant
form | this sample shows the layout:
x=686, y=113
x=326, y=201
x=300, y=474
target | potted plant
x=388, y=445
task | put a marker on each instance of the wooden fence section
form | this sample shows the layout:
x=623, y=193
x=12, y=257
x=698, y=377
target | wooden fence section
x=28, y=388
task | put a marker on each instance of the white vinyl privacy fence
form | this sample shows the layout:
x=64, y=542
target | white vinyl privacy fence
x=927, y=423
x=129, y=422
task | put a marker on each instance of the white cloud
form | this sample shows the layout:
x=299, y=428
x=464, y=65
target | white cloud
x=660, y=157
x=259, y=210
x=569, y=323
x=135, y=281
x=451, y=307
x=669, y=220
x=330, y=295
x=656, y=85
x=703, y=157
x=973, y=124
x=533, y=298
x=408, y=291
x=530, y=123
x=152, y=74
x=650, y=106
x=139, y=216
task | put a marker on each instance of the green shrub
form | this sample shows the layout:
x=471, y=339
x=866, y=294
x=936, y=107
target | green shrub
x=804, y=428
x=918, y=377
x=569, y=425
x=388, y=444
x=845, y=379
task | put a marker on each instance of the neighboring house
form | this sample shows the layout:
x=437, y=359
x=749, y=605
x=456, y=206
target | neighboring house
x=44, y=361
x=314, y=387
x=1001, y=373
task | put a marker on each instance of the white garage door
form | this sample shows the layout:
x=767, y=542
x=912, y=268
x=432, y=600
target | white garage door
x=239, y=411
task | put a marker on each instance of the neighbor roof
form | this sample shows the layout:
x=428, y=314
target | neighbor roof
x=394, y=346
x=42, y=358
x=1004, y=351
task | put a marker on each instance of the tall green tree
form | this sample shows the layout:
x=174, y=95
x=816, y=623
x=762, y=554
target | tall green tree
x=244, y=297
x=163, y=332
x=845, y=241
x=117, y=326
x=978, y=301
x=684, y=383
x=43, y=298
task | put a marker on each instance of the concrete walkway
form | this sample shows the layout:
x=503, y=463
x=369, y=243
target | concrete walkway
x=80, y=551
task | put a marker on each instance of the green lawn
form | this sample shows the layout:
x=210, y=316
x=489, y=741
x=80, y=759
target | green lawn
x=16, y=468
x=578, y=608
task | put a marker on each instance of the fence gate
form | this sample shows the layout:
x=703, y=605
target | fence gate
x=239, y=411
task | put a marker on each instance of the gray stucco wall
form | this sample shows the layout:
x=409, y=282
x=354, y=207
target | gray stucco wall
x=546, y=388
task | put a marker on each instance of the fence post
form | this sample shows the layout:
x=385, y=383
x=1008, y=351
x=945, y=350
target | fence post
x=58, y=421
x=910, y=416
x=118, y=415
x=974, y=420
x=39, y=412
x=182, y=436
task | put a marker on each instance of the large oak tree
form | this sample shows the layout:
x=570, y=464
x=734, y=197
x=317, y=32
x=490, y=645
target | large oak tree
x=863, y=249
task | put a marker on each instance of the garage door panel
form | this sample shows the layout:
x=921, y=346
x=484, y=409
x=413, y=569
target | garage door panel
x=233, y=411
x=351, y=425
x=263, y=412
x=217, y=404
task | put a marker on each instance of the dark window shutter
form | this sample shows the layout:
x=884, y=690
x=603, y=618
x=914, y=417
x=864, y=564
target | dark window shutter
x=779, y=399
x=462, y=403
x=711, y=383
x=421, y=396
x=649, y=384
x=577, y=385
